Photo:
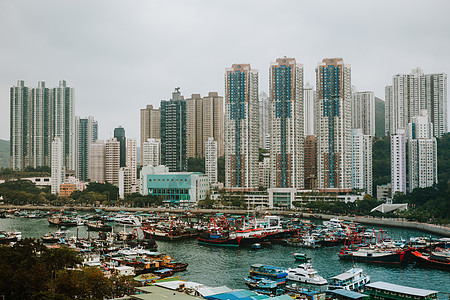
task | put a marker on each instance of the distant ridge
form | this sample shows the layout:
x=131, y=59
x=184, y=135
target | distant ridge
x=4, y=154
x=379, y=117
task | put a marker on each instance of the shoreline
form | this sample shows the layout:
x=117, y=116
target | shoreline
x=430, y=228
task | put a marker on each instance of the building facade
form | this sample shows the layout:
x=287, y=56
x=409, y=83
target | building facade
x=264, y=121
x=309, y=109
x=286, y=123
x=132, y=159
x=411, y=93
x=211, y=160
x=86, y=130
x=151, y=152
x=58, y=168
x=97, y=162
x=333, y=127
x=363, y=112
x=150, y=126
x=310, y=162
x=173, y=133
x=241, y=128
x=362, y=174
x=125, y=182
x=398, y=161
x=422, y=152
x=119, y=135
x=112, y=161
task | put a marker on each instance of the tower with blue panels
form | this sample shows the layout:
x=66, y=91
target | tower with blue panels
x=286, y=123
x=241, y=128
x=333, y=115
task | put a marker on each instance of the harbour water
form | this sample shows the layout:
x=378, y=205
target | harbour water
x=216, y=266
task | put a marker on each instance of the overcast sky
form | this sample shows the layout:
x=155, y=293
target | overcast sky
x=122, y=55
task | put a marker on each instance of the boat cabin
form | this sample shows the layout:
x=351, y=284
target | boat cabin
x=384, y=290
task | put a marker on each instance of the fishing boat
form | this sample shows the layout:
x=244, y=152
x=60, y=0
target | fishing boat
x=219, y=238
x=436, y=259
x=98, y=226
x=302, y=257
x=129, y=220
x=373, y=255
x=50, y=238
x=277, y=274
x=8, y=237
x=352, y=280
x=261, y=284
x=306, y=274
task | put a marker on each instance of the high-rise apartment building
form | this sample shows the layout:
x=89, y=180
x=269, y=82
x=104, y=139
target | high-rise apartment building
x=86, y=132
x=37, y=116
x=41, y=125
x=119, y=134
x=333, y=124
x=241, y=128
x=151, y=152
x=20, y=129
x=363, y=112
x=150, y=126
x=204, y=118
x=211, y=160
x=309, y=109
x=63, y=121
x=173, y=133
x=286, y=123
x=362, y=177
x=112, y=161
x=125, y=182
x=413, y=92
x=264, y=121
x=310, y=162
x=58, y=169
x=422, y=152
x=132, y=159
x=398, y=161
x=97, y=162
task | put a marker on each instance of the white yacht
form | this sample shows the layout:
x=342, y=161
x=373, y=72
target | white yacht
x=305, y=273
x=352, y=280
x=129, y=220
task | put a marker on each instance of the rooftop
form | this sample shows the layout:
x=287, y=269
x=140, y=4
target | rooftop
x=400, y=289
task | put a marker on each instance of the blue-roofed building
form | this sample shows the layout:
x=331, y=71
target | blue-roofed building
x=244, y=295
x=182, y=189
x=342, y=294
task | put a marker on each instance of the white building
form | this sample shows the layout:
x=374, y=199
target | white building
x=112, y=161
x=125, y=182
x=181, y=189
x=264, y=171
x=132, y=159
x=398, y=161
x=363, y=112
x=97, y=162
x=422, y=152
x=286, y=123
x=241, y=128
x=211, y=160
x=309, y=109
x=411, y=93
x=362, y=177
x=333, y=125
x=58, y=169
x=264, y=121
x=151, y=152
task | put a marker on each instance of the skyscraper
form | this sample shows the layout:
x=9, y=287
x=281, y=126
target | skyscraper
x=41, y=125
x=241, y=128
x=173, y=133
x=264, y=121
x=363, y=112
x=211, y=160
x=58, y=169
x=213, y=120
x=413, y=92
x=97, y=162
x=20, y=126
x=151, y=152
x=86, y=130
x=112, y=161
x=398, y=161
x=310, y=162
x=194, y=126
x=422, y=152
x=63, y=121
x=333, y=117
x=286, y=123
x=125, y=182
x=362, y=161
x=119, y=134
x=150, y=126
x=132, y=160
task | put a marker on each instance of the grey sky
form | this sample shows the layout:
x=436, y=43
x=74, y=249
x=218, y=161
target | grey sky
x=122, y=55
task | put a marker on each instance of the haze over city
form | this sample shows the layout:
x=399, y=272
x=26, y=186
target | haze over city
x=121, y=56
